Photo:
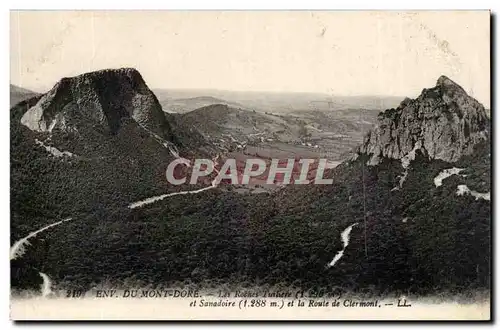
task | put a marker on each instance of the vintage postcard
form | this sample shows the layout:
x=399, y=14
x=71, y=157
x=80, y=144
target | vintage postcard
x=250, y=165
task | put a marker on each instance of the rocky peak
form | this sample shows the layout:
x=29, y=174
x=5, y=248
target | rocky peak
x=443, y=121
x=104, y=97
x=446, y=82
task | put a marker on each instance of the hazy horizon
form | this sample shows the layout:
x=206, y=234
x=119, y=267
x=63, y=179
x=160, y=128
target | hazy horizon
x=377, y=54
x=208, y=90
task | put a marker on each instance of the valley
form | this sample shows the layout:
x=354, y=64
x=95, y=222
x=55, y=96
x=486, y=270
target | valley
x=98, y=155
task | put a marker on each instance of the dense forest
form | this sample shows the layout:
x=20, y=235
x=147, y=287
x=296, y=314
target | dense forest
x=411, y=235
x=419, y=239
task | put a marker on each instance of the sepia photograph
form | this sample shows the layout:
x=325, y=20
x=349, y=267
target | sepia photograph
x=250, y=165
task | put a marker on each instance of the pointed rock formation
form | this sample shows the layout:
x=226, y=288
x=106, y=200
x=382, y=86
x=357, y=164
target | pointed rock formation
x=104, y=98
x=443, y=121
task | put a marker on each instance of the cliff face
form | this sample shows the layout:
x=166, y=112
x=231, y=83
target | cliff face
x=102, y=97
x=443, y=121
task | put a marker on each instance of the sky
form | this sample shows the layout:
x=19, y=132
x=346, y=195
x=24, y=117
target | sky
x=338, y=53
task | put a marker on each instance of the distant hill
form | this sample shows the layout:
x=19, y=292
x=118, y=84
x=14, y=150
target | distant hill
x=271, y=101
x=183, y=105
x=232, y=128
x=221, y=118
x=331, y=133
x=18, y=94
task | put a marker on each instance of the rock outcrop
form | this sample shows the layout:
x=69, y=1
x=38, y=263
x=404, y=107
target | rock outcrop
x=444, y=122
x=104, y=98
